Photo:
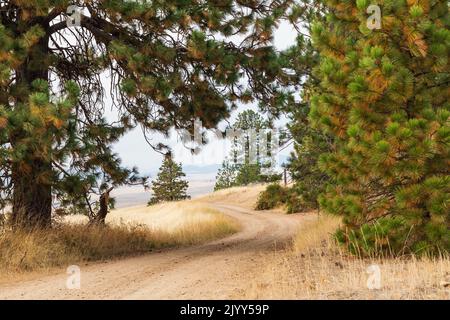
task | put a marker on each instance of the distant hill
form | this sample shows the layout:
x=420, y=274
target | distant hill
x=211, y=169
x=197, y=169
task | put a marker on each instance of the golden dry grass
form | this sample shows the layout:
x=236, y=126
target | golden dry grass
x=316, y=268
x=129, y=232
x=243, y=196
x=168, y=216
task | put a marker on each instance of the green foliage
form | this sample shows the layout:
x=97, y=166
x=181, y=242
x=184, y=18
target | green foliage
x=274, y=195
x=303, y=196
x=248, y=173
x=226, y=176
x=246, y=167
x=309, y=180
x=384, y=99
x=298, y=198
x=170, y=62
x=169, y=184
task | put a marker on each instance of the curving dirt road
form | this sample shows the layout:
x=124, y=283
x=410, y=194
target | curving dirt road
x=218, y=270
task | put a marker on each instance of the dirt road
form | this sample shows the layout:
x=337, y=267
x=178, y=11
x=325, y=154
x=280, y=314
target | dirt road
x=217, y=270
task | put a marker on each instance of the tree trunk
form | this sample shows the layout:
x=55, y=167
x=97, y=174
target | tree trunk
x=100, y=218
x=32, y=192
x=32, y=199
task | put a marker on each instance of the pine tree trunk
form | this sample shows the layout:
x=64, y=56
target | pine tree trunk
x=32, y=192
x=32, y=200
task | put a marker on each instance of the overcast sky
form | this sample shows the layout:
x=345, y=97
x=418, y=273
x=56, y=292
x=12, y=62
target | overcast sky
x=134, y=150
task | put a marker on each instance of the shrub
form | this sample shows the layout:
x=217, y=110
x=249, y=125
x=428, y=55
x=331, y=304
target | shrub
x=273, y=196
x=302, y=197
x=297, y=199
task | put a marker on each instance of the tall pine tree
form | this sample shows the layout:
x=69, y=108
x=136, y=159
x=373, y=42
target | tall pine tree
x=385, y=98
x=248, y=157
x=168, y=62
x=169, y=185
x=309, y=143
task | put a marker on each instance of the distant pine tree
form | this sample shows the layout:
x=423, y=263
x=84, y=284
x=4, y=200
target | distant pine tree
x=169, y=185
x=226, y=176
x=247, y=159
x=249, y=173
x=247, y=149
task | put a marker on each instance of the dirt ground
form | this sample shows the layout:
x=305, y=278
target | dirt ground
x=221, y=269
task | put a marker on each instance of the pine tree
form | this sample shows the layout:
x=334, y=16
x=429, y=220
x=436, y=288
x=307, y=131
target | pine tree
x=169, y=62
x=385, y=98
x=248, y=173
x=169, y=184
x=226, y=176
x=247, y=147
x=247, y=156
x=309, y=143
x=309, y=180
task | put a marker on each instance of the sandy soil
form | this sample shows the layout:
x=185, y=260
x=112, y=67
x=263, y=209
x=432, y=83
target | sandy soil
x=219, y=270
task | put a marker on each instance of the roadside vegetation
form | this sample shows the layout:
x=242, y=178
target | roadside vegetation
x=316, y=267
x=74, y=241
x=371, y=130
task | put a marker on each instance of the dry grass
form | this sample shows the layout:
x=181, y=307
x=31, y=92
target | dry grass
x=242, y=196
x=168, y=216
x=316, y=268
x=72, y=243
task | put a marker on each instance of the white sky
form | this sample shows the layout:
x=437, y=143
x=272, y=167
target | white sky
x=134, y=150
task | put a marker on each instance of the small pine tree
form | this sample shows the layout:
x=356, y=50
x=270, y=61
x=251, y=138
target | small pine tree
x=226, y=176
x=169, y=184
x=249, y=173
x=246, y=145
